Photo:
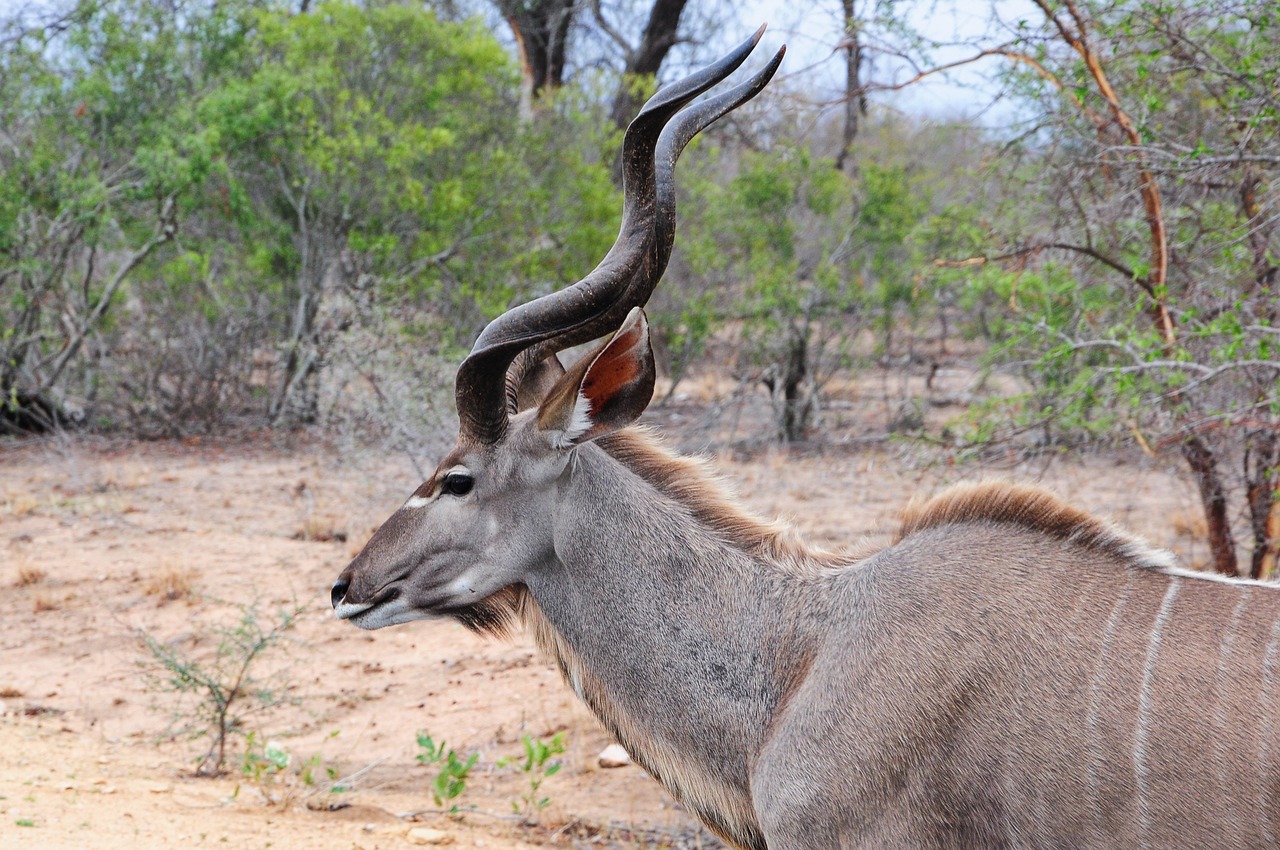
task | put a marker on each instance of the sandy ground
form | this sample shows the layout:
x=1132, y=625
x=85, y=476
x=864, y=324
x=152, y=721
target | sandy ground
x=100, y=543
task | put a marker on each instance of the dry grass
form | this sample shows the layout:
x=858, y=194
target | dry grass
x=19, y=506
x=171, y=584
x=29, y=574
x=10, y=692
x=1189, y=524
x=45, y=602
x=120, y=479
x=319, y=528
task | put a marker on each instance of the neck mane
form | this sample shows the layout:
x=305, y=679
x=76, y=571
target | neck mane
x=1036, y=509
x=692, y=483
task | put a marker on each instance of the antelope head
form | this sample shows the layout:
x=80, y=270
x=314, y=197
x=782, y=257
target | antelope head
x=482, y=523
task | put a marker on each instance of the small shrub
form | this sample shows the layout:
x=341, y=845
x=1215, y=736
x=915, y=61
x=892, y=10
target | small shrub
x=270, y=768
x=20, y=506
x=1189, y=523
x=262, y=760
x=224, y=689
x=318, y=528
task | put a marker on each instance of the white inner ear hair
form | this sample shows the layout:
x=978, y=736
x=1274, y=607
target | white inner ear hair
x=579, y=423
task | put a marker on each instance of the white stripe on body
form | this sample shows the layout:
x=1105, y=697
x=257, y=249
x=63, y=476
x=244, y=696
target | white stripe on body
x=1141, y=771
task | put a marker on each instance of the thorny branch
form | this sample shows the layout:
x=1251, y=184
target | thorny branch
x=1075, y=34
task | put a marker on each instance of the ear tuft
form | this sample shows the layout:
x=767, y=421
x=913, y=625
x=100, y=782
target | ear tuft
x=578, y=426
x=605, y=391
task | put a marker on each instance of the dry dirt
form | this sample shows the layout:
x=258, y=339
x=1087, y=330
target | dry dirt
x=101, y=542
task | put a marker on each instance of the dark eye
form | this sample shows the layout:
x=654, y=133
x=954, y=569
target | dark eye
x=457, y=484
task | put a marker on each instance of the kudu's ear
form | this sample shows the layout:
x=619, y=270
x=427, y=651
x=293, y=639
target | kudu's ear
x=537, y=382
x=604, y=391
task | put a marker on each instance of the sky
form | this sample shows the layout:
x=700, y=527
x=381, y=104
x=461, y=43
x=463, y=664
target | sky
x=811, y=30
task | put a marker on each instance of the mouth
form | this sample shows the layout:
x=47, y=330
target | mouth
x=351, y=610
x=381, y=611
x=390, y=608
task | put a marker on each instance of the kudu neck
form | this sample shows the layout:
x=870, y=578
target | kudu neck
x=619, y=530
x=682, y=645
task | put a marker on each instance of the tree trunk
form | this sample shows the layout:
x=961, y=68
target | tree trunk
x=1260, y=226
x=660, y=35
x=795, y=408
x=541, y=30
x=1262, y=480
x=786, y=382
x=855, y=96
x=295, y=402
x=1214, y=498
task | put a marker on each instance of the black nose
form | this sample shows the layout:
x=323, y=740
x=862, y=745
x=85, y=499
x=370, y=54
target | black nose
x=339, y=591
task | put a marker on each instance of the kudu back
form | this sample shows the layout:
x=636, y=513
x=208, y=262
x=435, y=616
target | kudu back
x=1010, y=672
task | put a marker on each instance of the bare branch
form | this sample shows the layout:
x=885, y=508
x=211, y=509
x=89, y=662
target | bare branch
x=1092, y=253
x=614, y=35
x=53, y=25
x=166, y=228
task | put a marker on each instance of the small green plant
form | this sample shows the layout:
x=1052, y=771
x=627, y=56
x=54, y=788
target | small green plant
x=451, y=780
x=266, y=765
x=310, y=772
x=25, y=822
x=538, y=768
x=262, y=760
x=225, y=689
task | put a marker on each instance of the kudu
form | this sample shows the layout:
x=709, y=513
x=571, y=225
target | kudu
x=1010, y=672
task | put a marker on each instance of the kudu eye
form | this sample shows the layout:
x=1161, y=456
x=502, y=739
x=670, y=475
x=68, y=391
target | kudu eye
x=457, y=484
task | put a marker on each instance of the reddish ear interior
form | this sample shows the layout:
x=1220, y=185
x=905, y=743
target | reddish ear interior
x=619, y=364
x=618, y=384
x=607, y=390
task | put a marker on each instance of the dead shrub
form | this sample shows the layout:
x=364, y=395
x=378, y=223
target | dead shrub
x=171, y=584
x=320, y=529
x=29, y=574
